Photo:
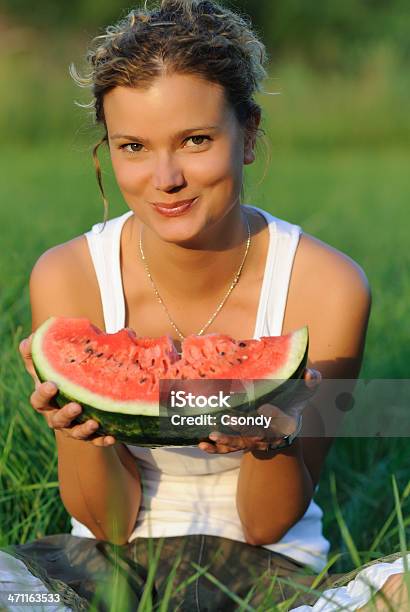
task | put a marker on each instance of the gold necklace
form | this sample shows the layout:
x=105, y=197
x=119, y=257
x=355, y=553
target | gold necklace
x=231, y=288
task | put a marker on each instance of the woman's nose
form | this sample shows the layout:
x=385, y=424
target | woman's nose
x=167, y=173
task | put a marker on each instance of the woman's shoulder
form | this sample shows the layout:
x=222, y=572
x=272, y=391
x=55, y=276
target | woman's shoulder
x=318, y=261
x=329, y=291
x=63, y=282
x=318, y=268
x=325, y=283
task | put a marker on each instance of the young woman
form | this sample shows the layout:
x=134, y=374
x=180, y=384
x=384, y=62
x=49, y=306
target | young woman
x=174, y=93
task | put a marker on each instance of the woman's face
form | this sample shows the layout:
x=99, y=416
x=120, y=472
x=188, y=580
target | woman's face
x=175, y=141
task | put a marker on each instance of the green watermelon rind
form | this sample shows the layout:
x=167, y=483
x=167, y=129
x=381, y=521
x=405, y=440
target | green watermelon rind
x=147, y=427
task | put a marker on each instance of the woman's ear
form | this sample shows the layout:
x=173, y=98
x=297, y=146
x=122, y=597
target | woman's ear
x=250, y=137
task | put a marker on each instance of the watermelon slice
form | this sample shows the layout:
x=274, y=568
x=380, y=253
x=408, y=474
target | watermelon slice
x=120, y=379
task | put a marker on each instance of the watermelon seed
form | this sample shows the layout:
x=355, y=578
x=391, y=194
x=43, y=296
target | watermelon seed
x=245, y=357
x=89, y=350
x=242, y=344
x=239, y=360
x=88, y=341
x=72, y=360
x=212, y=369
x=142, y=380
x=152, y=361
x=222, y=353
x=100, y=354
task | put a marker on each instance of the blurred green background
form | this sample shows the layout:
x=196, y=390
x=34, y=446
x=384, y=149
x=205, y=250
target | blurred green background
x=339, y=166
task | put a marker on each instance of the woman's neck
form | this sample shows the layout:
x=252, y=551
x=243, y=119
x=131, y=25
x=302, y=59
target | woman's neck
x=203, y=272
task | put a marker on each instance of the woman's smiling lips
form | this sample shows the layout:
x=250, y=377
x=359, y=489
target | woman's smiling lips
x=174, y=209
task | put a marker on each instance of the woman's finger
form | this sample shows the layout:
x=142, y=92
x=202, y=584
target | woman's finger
x=229, y=444
x=103, y=441
x=61, y=418
x=312, y=378
x=281, y=424
x=84, y=431
x=218, y=449
x=246, y=430
x=42, y=395
x=25, y=347
x=87, y=431
x=294, y=402
x=271, y=411
x=64, y=416
x=25, y=352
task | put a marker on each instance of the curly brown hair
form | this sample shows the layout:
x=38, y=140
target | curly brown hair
x=195, y=37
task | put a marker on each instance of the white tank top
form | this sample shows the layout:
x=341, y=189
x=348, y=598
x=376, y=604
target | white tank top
x=185, y=490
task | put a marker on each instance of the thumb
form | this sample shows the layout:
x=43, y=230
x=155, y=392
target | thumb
x=25, y=351
x=270, y=410
x=25, y=346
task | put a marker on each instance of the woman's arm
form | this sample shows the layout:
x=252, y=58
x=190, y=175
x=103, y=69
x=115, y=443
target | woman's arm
x=273, y=494
x=99, y=486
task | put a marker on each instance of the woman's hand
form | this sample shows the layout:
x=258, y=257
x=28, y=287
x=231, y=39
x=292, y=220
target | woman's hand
x=281, y=424
x=59, y=418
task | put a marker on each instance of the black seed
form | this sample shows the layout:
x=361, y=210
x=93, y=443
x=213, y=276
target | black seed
x=222, y=353
x=142, y=380
x=242, y=344
x=100, y=354
x=239, y=360
x=88, y=341
x=212, y=369
x=72, y=360
x=89, y=350
x=152, y=361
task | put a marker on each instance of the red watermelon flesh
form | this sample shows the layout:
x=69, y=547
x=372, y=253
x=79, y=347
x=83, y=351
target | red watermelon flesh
x=118, y=375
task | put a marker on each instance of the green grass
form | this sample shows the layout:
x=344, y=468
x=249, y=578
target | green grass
x=339, y=169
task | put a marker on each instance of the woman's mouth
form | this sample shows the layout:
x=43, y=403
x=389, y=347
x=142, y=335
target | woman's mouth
x=176, y=209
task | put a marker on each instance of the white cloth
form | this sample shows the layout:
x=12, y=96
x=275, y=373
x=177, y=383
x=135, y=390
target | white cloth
x=16, y=578
x=186, y=490
x=358, y=591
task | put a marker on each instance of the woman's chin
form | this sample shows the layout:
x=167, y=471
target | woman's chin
x=186, y=232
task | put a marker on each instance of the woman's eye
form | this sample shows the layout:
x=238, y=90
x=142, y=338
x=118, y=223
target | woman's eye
x=196, y=138
x=131, y=147
x=135, y=147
